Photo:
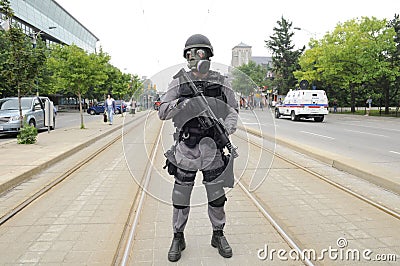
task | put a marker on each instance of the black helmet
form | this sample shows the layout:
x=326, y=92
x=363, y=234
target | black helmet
x=198, y=41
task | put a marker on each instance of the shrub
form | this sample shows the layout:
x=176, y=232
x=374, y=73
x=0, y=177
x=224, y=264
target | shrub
x=27, y=135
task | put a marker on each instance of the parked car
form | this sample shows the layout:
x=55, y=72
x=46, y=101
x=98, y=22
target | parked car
x=99, y=108
x=33, y=112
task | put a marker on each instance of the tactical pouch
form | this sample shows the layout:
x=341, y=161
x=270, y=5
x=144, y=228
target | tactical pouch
x=228, y=175
x=170, y=165
x=171, y=168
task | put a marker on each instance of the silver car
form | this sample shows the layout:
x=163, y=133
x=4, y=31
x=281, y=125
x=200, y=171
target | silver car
x=33, y=111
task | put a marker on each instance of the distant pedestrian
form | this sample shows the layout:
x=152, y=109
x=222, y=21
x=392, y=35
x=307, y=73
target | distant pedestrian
x=368, y=104
x=133, y=106
x=334, y=106
x=110, y=108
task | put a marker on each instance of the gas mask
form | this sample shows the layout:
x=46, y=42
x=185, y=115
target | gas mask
x=198, y=60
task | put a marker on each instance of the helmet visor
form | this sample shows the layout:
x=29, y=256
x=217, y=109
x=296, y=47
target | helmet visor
x=196, y=53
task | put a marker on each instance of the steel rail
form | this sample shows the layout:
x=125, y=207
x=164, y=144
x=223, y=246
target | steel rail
x=335, y=184
x=128, y=247
x=280, y=230
x=18, y=208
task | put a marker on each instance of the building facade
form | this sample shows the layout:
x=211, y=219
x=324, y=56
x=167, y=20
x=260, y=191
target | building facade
x=47, y=20
x=241, y=54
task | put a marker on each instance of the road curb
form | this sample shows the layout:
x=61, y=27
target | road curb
x=371, y=177
x=41, y=167
x=375, y=175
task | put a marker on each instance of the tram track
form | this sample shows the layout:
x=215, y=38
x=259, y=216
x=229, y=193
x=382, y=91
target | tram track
x=282, y=224
x=124, y=250
x=363, y=198
x=295, y=243
x=125, y=246
x=59, y=179
x=122, y=254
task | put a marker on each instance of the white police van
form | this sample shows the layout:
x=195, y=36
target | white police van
x=304, y=104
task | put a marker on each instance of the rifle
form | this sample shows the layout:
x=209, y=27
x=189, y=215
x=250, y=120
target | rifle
x=206, y=121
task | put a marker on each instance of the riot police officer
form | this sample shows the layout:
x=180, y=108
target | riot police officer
x=196, y=146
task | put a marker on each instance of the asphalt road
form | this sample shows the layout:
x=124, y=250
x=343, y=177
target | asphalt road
x=63, y=120
x=373, y=140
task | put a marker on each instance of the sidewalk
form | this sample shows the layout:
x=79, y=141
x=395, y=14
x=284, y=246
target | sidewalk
x=19, y=161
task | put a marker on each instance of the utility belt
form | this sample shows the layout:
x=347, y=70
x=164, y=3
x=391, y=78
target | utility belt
x=191, y=136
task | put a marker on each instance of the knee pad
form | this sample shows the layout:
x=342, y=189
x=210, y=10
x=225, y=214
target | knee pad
x=215, y=193
x=220, y=202
x=181, y=194
x=180, y=207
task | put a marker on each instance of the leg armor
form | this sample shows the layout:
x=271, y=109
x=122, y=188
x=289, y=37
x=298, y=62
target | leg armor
x=181, y=194
x=214, y=187
x=181, y=199
x=216, y=201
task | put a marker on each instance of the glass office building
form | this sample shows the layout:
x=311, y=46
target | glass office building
x=53, y=23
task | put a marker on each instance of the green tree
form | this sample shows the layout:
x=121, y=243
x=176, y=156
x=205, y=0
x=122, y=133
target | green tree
x=44, y=79
x=135, y=87
x=5, y=8
x=248, y=78
x=4, y=55
x=356, y=56
x=76, y=71
x=395, y=58
x=242, y=83
x=22, y=63
x=120, y=85
x=284, y=56
x=257, y=73
x=117, y=82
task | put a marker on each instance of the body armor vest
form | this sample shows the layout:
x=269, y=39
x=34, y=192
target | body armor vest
x=212, y=89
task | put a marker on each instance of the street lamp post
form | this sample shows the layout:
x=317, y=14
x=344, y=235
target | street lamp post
x=35, y=35
x=34, y=42
x=313, y=34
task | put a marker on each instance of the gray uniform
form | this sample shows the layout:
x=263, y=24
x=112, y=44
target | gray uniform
x=203, y=155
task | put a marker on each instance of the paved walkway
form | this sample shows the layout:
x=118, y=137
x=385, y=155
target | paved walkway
x=19, y=162
x=81, y=223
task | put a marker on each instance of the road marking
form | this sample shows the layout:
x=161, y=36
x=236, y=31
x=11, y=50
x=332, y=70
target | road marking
x=366, y=133
x=352, y=124
x=248, y=123
x=395, y=152
x=322, y=136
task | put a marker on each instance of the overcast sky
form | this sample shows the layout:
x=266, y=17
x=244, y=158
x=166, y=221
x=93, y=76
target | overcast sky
x=145, y=37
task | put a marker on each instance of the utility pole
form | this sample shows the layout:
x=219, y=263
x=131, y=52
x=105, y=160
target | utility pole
x=34, y=42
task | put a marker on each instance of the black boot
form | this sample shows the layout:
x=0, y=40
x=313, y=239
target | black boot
x=178, y=244
x=219, y=241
